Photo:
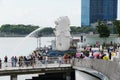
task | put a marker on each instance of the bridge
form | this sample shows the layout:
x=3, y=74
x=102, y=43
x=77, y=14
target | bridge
x=51, y=66
x=105, y=70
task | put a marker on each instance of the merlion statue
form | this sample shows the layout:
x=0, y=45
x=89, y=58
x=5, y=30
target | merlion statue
x=62, y=33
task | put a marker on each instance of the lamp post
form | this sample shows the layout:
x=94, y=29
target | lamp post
x=38, y=36
x=39, y=41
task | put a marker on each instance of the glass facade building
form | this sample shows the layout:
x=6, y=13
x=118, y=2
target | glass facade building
x=94, y=10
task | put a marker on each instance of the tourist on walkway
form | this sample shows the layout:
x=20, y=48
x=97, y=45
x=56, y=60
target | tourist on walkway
x=65, y=58
x=13, y=61
x=69, y=59
x=46, y=60
x=60, y=60
x=25, y=61
x=21, y=61
x=33, y=61
x=0, y=63
x=110, y=55
x=6, y=60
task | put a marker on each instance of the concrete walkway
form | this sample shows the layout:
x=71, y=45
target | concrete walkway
x=92, y=72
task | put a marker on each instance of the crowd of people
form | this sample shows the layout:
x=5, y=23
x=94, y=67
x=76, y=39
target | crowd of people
x=91, y=52
x=40, y=56
x=22, y=61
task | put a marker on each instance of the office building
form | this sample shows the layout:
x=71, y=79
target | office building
x=94, y=10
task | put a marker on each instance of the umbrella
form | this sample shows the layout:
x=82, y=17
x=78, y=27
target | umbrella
x=96, y=54
x=113, y=53
x=77, y=54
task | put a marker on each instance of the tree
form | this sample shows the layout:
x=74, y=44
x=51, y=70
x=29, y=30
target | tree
x=103, y=31
x=117, y=25
x=17, y=29
x=47, y=31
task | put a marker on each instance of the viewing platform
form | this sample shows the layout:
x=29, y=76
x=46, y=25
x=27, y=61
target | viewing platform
x=37, y=69
x=49, y=67
x=104, y=70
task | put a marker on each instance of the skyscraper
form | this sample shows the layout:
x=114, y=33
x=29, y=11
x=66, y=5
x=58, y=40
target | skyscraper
x=94, y=10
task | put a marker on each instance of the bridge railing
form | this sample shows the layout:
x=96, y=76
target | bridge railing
x=35, y=63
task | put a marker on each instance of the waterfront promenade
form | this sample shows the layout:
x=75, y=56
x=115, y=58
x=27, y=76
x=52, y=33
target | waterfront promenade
x=105, y=70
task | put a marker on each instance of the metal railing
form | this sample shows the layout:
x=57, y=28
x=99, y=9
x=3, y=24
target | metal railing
x=35, y=63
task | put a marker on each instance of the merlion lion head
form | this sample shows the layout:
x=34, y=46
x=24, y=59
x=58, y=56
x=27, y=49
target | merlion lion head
x=62, y=21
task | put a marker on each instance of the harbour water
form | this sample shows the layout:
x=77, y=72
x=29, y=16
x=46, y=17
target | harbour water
x=20, y=46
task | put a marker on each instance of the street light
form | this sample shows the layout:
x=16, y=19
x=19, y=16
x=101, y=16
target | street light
x=38, y=36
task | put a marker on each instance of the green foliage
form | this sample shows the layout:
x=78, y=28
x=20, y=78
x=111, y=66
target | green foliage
x=18, y=29
x=77, y=30
x=103, y=30
x=117, y=25
x=112, y=29
x=47, y=31
x=73, y=29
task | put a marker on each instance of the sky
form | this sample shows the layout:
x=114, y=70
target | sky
x=40, y=12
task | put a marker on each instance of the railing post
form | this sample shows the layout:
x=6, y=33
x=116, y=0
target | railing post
x=13, y=77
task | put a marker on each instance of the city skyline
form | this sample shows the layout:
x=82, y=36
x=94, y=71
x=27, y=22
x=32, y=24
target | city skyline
x=40, y=12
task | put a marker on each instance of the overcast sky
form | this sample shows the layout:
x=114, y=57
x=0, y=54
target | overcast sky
x=40, y=12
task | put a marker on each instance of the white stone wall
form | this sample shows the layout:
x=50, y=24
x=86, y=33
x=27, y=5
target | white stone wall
x=109, y=68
